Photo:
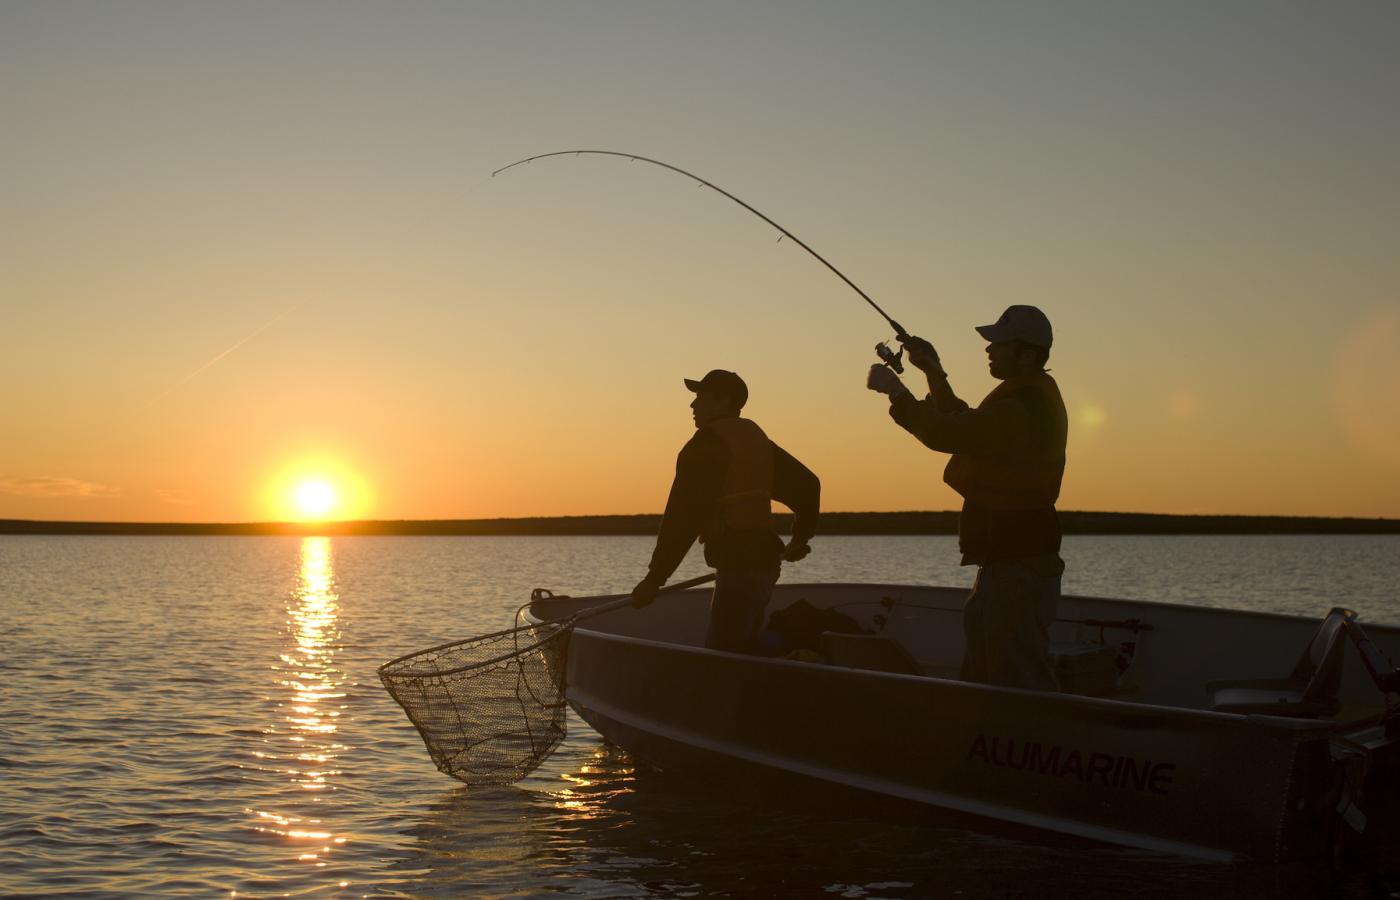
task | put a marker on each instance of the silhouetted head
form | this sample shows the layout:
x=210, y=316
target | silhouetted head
x=718, y=395
x=1018, y=343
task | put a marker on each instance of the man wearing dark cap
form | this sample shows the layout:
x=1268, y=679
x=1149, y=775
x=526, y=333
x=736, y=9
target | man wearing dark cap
x=1008, y=456
x=727, y=476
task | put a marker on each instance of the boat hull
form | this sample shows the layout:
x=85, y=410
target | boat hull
x=1115, y=772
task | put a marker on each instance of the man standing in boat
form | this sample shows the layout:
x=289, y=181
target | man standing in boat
x=727, y=476
x=1008, y=457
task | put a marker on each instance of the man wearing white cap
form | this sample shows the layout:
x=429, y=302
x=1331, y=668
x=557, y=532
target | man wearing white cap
x=1008, y=457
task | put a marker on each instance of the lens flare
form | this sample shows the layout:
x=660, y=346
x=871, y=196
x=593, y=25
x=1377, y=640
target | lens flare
x=1366, y=384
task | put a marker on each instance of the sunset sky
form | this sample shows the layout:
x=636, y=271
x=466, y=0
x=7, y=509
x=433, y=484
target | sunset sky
x=249, y=246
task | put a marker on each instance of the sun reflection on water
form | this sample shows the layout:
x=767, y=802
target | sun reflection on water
x=588, y=792
x=302, y=744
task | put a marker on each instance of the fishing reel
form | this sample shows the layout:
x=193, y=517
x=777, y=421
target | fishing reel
x=893, y=359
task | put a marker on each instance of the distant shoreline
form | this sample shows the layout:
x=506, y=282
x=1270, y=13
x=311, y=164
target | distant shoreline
x=840, y=523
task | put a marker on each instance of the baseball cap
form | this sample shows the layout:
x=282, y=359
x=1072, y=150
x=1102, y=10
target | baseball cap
x=1020, y=323
x=724, y=383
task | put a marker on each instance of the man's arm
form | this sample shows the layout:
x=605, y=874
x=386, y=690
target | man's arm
x=700, y=468
x=990, y=428
x=941, y=393
x=798, y=488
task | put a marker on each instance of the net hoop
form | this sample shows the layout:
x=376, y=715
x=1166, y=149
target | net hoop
x=490, y=708
x=391, y=669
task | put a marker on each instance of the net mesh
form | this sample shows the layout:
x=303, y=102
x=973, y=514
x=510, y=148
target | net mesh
x=489, y=708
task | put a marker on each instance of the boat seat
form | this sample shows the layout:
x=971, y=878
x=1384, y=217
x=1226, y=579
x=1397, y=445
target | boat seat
x=1310, y=692
x=868, y=651
x=1378, y=665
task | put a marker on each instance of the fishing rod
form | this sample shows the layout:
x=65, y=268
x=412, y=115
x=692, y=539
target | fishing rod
x=888, y=356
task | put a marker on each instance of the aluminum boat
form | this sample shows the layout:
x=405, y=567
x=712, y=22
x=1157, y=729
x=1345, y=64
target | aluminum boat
x=1212, y=733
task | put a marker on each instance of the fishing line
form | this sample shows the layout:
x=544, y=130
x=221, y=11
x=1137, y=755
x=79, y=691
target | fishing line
x=898, y=329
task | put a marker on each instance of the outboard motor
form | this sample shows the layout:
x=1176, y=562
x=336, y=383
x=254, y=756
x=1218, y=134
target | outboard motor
x=1367, y=809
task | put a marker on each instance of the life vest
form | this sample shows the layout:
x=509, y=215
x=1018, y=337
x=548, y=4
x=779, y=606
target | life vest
x=1024, y=475
x=745, y=501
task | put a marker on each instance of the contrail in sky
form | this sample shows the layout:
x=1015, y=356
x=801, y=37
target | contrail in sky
x=273, y=321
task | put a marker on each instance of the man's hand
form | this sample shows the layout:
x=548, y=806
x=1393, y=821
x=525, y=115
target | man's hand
x=883, y=379
x=796, y=550
x=645, y=591
x=922, y=355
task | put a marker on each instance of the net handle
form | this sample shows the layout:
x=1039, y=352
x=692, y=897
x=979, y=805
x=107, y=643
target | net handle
x=624, y=601
x=568, y=624
x=387, y=668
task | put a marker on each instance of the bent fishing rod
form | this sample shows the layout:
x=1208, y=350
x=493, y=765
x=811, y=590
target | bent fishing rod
x=888, y=356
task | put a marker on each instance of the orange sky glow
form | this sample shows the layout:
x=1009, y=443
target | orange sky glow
x=253, y=249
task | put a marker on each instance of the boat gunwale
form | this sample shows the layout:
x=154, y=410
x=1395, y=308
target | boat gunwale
x=1164, y=604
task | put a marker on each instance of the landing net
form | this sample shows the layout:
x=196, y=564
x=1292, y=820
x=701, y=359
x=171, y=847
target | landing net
x=489, y=708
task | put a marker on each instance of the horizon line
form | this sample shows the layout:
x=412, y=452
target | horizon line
x=831, y=523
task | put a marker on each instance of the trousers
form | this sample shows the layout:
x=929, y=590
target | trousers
x=1006, y=622
x=737, y=606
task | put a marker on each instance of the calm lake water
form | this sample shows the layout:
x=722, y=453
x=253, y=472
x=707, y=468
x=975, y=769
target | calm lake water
x=201, y=716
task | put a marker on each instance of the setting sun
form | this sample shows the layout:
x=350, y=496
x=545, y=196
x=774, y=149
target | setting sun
x=315, y=498
x=317, y=488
